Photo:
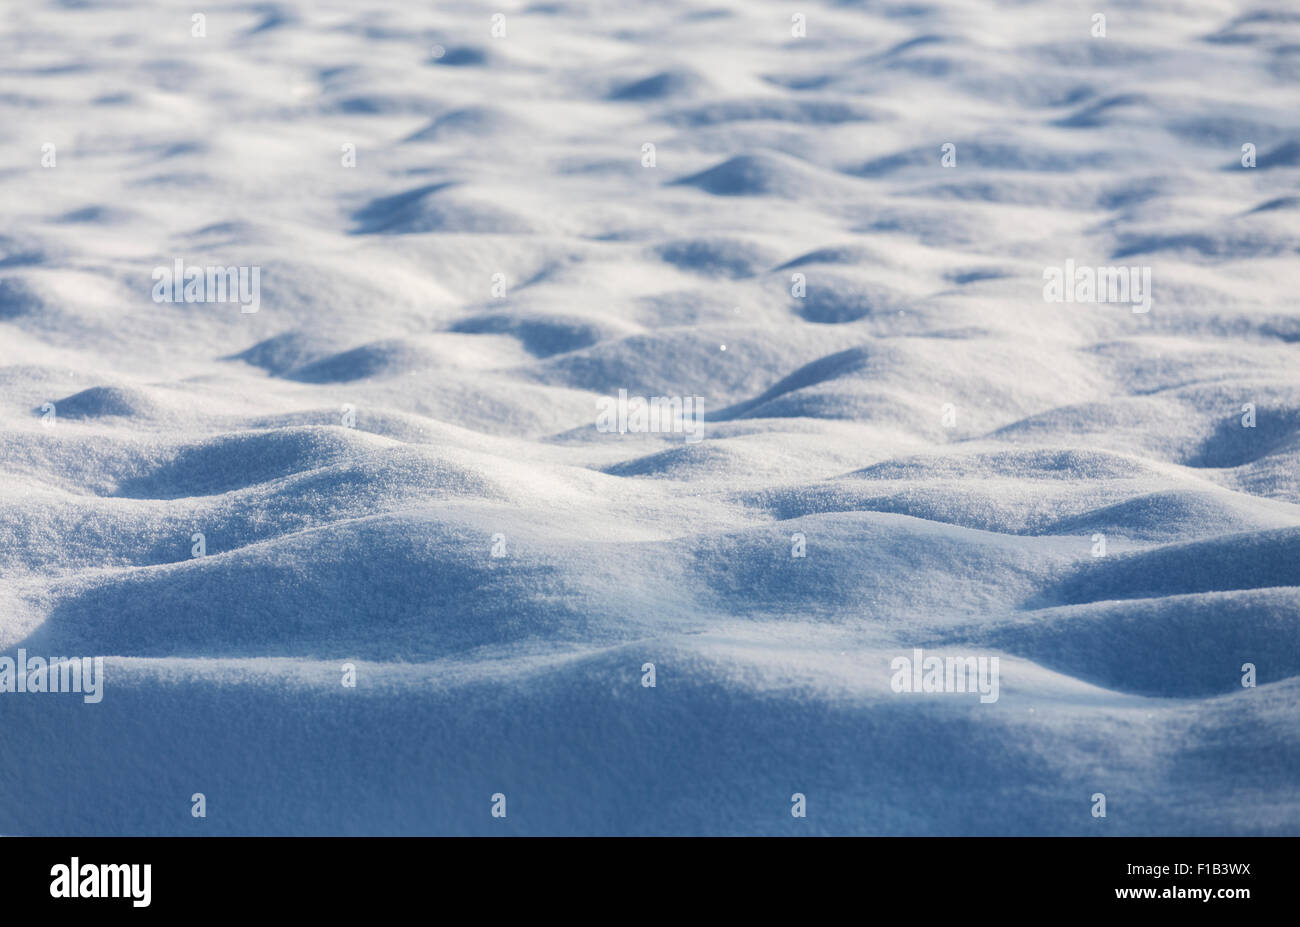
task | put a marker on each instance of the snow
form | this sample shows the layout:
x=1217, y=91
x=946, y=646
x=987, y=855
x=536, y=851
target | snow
x=395, y=464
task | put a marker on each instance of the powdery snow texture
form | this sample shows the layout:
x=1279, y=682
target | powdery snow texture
x=475, y=416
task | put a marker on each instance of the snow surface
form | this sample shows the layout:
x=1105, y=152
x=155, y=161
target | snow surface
x=475, y=416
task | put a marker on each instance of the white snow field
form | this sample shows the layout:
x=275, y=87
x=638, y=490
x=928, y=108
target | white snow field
x=464, y=249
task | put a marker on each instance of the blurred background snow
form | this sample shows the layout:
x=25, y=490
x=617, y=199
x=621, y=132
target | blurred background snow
x=439, y=318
